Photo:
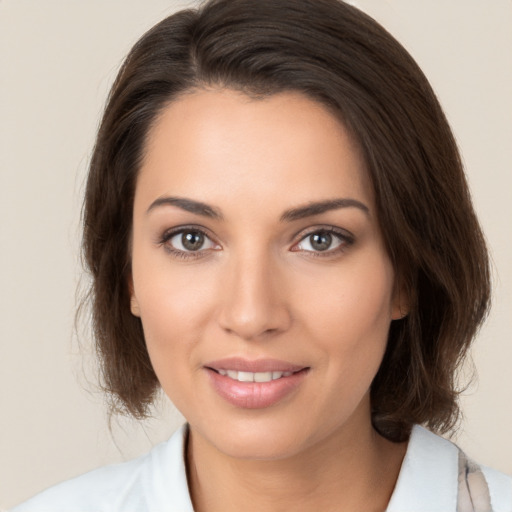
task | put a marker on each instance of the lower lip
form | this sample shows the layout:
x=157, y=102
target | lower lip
x=255, y=395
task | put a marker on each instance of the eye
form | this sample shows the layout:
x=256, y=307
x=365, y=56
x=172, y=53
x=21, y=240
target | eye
x=187, y=241
x=323, y=241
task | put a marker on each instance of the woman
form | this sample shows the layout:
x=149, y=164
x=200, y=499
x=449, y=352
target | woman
x=280, y=236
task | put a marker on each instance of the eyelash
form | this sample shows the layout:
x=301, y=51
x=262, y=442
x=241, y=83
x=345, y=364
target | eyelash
x=346, y=240
x=186, y=255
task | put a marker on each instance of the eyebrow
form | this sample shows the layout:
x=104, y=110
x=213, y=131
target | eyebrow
x=188, y=205
x=297, y=213
x=316, y=208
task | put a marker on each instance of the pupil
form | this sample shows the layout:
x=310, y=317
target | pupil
x=192, y=241
x=321, y=241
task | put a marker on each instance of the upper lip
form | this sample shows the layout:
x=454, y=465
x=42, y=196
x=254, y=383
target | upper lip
x=256, y=366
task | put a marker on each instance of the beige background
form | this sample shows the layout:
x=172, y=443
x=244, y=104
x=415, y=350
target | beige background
x=57, y=61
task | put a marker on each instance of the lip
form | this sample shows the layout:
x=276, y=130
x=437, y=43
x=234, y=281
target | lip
x=257, y=365
x=254, y=395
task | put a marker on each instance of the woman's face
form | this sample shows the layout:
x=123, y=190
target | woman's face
x=259, y=271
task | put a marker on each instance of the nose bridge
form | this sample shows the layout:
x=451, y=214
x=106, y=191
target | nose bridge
x=252, y=302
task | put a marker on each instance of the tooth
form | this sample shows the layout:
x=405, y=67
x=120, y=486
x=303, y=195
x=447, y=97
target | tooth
x=246, y=376
x=254, y=376
x=263, y=377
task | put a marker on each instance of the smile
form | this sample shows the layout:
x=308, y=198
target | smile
x=255, y=384
x=253, y=376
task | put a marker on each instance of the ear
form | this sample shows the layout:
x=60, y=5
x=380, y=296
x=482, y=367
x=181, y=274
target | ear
x=134, y=303
x=401, y=301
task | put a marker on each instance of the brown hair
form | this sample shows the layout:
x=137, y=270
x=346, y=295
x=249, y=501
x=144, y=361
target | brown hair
x=334, y=54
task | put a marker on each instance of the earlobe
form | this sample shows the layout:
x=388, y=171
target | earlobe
x=134, y=304
x=400, y=312
x=401, y=306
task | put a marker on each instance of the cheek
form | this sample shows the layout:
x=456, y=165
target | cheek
x=353, y=303
x=174, y=306
x=171, y=319
x=350, y=321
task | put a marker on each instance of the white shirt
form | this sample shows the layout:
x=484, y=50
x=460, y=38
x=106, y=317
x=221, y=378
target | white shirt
x=157, y=482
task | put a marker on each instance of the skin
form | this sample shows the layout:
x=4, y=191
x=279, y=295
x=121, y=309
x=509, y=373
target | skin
x=259, y=288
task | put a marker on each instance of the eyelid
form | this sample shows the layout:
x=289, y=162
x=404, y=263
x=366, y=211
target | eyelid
x=347, y=239
x=170, y=233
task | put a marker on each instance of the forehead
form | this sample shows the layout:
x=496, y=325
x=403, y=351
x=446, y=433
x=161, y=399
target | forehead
x=218, y=144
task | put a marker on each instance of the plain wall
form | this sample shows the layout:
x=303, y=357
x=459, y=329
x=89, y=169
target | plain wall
x=57, y=61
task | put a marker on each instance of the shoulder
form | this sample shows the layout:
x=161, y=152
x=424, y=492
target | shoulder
x=146, y=483
x=95, y=491
x=435, y=476
x=500, y=489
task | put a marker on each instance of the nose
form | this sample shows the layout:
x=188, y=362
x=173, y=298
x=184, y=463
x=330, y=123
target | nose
x=253, y=299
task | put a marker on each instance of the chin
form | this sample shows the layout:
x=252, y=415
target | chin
x=260, y=447
x=254, y=438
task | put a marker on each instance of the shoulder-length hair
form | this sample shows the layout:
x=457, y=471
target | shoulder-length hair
x=336, y=55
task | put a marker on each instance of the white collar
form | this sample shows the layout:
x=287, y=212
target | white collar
x=427, y=481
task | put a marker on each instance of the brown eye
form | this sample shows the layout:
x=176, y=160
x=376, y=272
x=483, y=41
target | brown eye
x=192, y=241
x=328, y=241
x=320, y=241
x=189, y=240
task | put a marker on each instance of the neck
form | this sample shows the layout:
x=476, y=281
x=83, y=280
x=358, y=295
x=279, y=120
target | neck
x=350, y=471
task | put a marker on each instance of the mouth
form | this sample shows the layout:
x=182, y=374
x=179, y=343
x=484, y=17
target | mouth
x=255, y=384
x=253, y=376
